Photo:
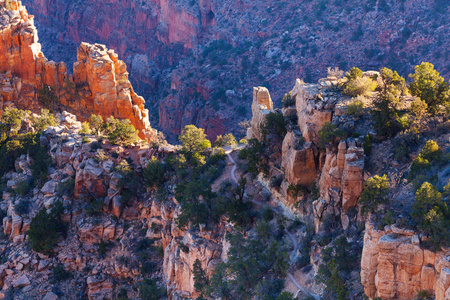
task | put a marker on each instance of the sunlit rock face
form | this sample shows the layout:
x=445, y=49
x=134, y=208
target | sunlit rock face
x=99, y=84
x=394, y=266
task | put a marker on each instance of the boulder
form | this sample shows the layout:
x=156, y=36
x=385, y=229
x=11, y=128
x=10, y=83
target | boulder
x=50, y=296
x=22, y=281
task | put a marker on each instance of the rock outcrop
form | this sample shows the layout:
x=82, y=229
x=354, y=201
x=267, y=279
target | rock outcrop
x=262, y=105
x=28, y=80
x=395, y=266
x=299, y=160
x=315, y=107
x=339, y=173
x=180, y=256
x=343, y=174
x=97, y=190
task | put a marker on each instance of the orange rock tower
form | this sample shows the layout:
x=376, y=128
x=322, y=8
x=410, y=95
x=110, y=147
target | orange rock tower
x=99, y=84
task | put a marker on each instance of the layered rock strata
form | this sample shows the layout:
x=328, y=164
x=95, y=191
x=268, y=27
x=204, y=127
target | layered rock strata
x=28, y=80
x=395, y=266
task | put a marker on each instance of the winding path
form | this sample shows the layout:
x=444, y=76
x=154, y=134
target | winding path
x=233, y=170
x=291, y=236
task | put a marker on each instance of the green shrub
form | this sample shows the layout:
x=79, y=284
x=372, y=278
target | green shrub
x=194, y=139
x=405, y=142
x=235, y=206
x=328, y=274
x=431, y=151
x=430, y=155
x=276, y=124
x=418, y=166
x=367, y=146
x=85, y=128
x=155, y=173
x=354, y=73
x=253, y=153
x=268, y=215
x=200, y=278
x=329, y=135
x=23, y=188
x=361, y=86
x=103, y=247
x=432, y=216
x=285, y=296
x=66, y=187
x=123, y=294
x=96, y=124
x=418, y=108
x=95, y=207
x=288, y=100
x=12, y=119
x=296, y=190
x=388, y=219
x=267, y=259
x=22, y=208
x=47, y=96
x=424, y=295
x=356, y=108
x=429, y=86
x=219, y=141
x=121, y=132
x=385, y=114
x=229, y=139
x=46, y=228
x=14, y=146
x=39, y=168
x=45, y=120
x=375, y=193
x=150, y=291
x=60, y=274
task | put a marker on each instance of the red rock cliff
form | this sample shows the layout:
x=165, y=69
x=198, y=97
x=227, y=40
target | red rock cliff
x=394, y=266
x=100, y=83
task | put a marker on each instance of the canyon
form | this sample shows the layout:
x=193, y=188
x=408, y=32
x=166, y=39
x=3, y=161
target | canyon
x=166, y=42
x=116, y=241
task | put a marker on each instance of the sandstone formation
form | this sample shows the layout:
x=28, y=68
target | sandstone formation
x=394, y=266
x=179, y=263
x=299, y=161
x=339, y=173
x=262, y=105
x=314, y=107
x=98, y=180
x=343, y=174
x=99, y=85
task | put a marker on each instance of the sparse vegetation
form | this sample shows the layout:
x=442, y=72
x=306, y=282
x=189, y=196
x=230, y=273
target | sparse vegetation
x=359, y=85
x=46, y=228
x=386, y=116
x=375, y=193
x=329, y=136
x=356, y=107
x=432, y=216
x=429, y=86
x=121, y=132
